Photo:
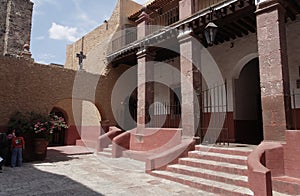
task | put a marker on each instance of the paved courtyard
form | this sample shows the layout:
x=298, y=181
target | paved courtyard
x=74, y=170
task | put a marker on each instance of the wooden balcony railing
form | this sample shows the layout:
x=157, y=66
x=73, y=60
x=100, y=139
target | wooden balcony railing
x=123, y=40
x=203, y=4
x=165, y=19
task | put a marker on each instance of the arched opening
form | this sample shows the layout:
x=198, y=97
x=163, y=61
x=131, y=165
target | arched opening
x=248, y=112
x=83, y=119
x=58, y=136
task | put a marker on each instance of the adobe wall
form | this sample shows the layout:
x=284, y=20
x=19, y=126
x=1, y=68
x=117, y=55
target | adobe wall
x=27, y=86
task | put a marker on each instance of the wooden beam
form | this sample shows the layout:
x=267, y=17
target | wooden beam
x=232, y=30
x=251, y=25
x=295, y=3
x=247, y=26
x=230, y=34
x=223, y=34
x=237, y=27
x=251, y=20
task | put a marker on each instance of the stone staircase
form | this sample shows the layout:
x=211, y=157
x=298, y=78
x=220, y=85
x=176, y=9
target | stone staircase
x=219, y=170
x=107, y=152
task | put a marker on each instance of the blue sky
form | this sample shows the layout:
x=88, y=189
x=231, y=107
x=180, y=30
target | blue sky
x=57, y=23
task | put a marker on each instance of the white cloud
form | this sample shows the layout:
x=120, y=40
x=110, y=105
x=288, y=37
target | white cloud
x=60, y=32
x=44, y=58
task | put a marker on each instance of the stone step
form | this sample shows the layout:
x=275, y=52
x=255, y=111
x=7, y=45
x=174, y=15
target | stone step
x=110, y=146
x=109, y=150
x=286, y=185
x=238, y=180
x=215, y=165
x=242, y=150
x=235, y=159
x=137, y=155
x=105, y=154
x=204, y=184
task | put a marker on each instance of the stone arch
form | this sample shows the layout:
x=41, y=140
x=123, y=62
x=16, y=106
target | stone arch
x=58, y=136
x=241, y=63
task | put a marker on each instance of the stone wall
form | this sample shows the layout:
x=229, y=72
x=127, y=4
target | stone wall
x=15, y=25
x=3, y=7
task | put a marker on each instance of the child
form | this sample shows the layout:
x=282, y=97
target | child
x=17, y=144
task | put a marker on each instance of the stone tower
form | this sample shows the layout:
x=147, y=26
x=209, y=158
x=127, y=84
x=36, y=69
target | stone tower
x=15, y=25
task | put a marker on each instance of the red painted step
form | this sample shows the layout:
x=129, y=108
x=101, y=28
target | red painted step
x=219, y=170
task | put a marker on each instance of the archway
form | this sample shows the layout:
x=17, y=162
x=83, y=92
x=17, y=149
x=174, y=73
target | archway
x=248, y=112
x=83, y=119
x=58, y=136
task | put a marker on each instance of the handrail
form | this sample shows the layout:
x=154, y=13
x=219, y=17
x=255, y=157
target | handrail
x=120, y=144
x=106, y=139
x=259, y=176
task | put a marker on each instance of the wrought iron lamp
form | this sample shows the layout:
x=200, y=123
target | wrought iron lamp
x=210, y=32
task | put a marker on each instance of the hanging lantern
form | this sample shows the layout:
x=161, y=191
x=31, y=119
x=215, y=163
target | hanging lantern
x=210, y=32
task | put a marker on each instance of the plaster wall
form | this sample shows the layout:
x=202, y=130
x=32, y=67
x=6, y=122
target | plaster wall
x=293, y=47
x=27, y=86
x=232, y=58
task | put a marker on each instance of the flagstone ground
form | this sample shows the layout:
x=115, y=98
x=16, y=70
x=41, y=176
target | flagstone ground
x=74, y=170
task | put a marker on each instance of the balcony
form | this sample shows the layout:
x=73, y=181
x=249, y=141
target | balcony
x=162, y=13
x=119, y=41
x=203, y=4
x=166, y=18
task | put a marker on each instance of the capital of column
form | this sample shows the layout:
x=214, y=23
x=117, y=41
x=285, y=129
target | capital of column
x=269, y=5
x=185, y=34
x=144, y=53
x=143, y=17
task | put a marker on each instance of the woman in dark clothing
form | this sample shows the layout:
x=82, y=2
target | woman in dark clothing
x=3, y=149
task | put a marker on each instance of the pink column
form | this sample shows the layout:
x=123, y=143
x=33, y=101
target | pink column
x=143, y=27
x=190, y=53
x=145, y=71
x=274, y=76
x=186, y=8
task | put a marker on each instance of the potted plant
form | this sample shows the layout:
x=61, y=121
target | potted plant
x=43, y=129
x=38, y=129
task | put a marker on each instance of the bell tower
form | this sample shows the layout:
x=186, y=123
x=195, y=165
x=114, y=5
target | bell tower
x=15, y=26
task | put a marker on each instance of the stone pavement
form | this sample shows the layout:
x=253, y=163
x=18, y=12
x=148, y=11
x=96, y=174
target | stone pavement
x=74, y=170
